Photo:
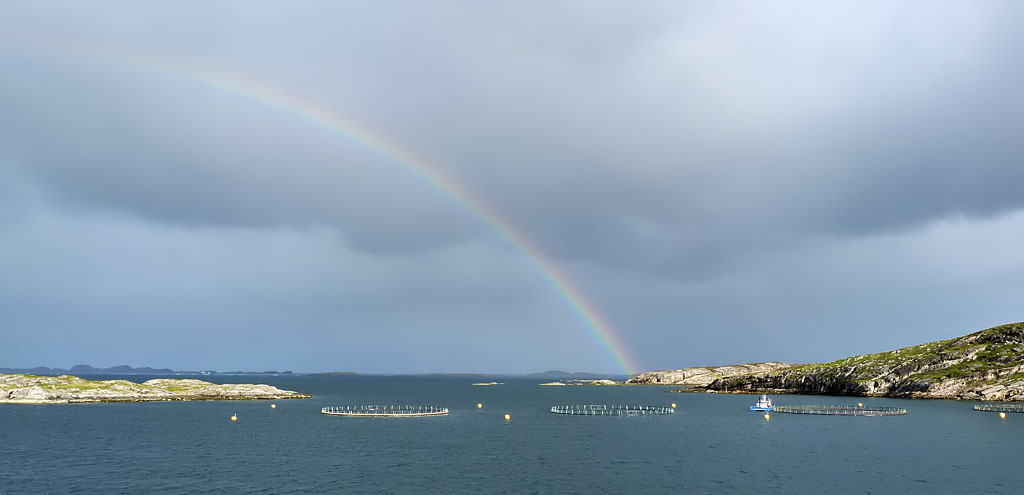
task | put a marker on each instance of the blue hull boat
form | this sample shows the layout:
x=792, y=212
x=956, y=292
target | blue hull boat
x=763, y=404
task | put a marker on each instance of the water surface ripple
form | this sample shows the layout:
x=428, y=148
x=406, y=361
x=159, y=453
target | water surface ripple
x=713, y=444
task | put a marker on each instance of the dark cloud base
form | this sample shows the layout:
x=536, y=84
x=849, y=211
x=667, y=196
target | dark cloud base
x=726, y=184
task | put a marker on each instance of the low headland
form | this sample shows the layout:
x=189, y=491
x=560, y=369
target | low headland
x=64, y=389
x=702, y=376
x=984, y=365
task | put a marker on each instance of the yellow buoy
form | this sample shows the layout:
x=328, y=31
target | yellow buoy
x=673, y=405
x=508, y=417
x=273, y=406
x=478, y=406
x=767, y=416
x=860, y=404
x=234, y=417
x=1002, y=415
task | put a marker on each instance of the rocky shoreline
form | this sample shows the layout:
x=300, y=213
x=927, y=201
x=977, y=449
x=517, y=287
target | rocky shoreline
x=985, y=365
x=67, y=389
x=701, y=376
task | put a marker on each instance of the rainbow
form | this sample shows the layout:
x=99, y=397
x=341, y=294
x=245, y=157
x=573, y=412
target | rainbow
x=584, y=311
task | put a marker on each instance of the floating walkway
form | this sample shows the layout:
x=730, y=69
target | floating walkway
x=842, y=410
x=382, y=411
x=603, y=410
x=1003, y=408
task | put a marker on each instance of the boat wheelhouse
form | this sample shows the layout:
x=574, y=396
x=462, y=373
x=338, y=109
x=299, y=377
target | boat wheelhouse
x=763, y=404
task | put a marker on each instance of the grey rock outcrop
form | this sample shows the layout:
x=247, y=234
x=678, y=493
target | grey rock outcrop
x=703, y=375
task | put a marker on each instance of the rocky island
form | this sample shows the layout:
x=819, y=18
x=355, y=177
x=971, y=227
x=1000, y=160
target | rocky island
x=985, y=365
x=31, y=389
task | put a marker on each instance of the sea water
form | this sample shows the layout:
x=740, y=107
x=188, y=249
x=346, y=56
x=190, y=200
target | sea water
x=712, y=444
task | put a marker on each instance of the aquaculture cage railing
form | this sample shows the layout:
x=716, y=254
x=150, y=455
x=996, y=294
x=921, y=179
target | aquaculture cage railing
x=384, y=411
x=1006, y=408
x=603, y=410
x=842, y=410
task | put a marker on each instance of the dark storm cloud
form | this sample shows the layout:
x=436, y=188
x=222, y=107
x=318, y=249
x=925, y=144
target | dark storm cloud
x=651, y=117
x=692, y=166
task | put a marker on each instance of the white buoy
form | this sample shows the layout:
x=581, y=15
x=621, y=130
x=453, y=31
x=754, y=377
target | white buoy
x=273, y=406
x=478, y=406
x=508, y=417
x=1002, y=415
x=234, y=417
x=860, y=404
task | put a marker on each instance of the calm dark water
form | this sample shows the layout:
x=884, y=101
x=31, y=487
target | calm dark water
x=711, y=445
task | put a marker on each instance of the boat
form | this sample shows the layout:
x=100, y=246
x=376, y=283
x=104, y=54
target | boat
x=763, y=404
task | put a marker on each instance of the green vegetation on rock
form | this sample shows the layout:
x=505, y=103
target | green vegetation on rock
x=988, y=364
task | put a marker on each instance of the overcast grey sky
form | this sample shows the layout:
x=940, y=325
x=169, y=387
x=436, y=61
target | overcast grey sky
x=726, y=181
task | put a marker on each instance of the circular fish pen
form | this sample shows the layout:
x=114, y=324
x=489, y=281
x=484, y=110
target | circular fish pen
x=1004, y=408
x=603, y=410
x=383, y=411
x=842, y=410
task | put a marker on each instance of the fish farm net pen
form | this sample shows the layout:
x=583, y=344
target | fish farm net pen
x=1009, y=408
x=842, y=410
x=384, y=411
x=604, y=410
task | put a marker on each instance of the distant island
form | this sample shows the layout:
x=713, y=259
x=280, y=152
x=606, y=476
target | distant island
x=32, y=389
x=599, y=381
x=565, y=375
x=984, y=365
x=85, y=369
x=124, y=369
